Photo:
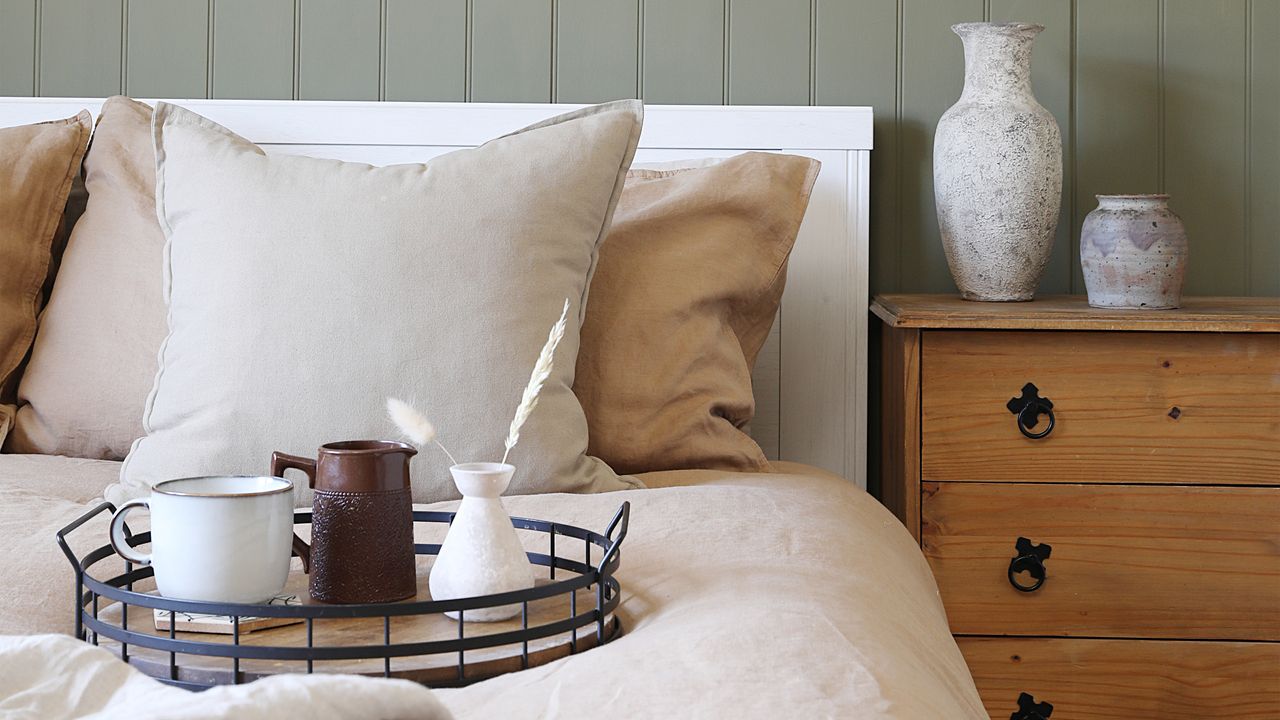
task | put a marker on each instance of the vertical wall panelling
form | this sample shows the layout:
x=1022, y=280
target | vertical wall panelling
x=1204, y=125
x=80, y=48
x=253, y=49
x=1051, y=80
x=856, y=63
x=511, y=50
x=683, y=51
x=1117, y=103
x=596, y=50
x=1262, y=153
x=769, y=57
x=168, y=49
x=426, y=50
x=932, y=78
x=17, y=47
x=339, y=49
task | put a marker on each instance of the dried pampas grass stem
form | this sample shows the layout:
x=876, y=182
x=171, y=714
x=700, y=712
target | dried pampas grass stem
x=541, y=371
x=415, y=426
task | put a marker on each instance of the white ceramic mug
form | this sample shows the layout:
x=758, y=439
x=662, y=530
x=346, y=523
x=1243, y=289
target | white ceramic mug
x=218, y=539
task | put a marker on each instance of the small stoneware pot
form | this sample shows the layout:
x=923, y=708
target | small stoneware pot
x=481, y=554
x=1133, y=250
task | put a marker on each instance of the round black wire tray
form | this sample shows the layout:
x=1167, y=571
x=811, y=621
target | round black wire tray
x=411, y=639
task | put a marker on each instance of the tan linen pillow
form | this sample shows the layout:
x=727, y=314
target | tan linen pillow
x=94, y=358
x=302, y=292
x=686, y=291
x=37, y=165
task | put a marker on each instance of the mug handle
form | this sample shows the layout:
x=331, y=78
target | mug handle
x=118, y=542
x=284, y=461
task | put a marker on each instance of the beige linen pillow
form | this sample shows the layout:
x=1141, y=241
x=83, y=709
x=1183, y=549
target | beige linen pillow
x=94, y=358
x=686, y=291
x=302, y=292
x=37, y=165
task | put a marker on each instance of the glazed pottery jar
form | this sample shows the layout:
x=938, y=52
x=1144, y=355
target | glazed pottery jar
x=997, y=168
x=481, y=554
x=1133, y=250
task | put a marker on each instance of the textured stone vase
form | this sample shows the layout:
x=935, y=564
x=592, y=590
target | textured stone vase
x=1133, y=250
x=481, y=554
x=997, y=168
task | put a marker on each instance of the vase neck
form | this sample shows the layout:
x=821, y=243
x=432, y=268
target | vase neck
x=1132, y=202
x=997, y=58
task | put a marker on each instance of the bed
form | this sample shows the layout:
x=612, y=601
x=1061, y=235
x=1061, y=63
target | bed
x=745, y=594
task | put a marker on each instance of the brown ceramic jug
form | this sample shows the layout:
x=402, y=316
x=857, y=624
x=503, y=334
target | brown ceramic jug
x=361, y=521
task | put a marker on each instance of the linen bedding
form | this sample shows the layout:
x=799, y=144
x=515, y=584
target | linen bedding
x=792, y=594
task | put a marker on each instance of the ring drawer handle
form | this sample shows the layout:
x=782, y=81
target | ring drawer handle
x=1029, y=709
x=1030, y=559
x=1028, y=408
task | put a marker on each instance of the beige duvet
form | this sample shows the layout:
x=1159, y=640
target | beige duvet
x=791, y=595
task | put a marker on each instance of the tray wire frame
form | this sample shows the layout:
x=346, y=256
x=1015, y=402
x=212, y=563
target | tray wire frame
x=89, y=626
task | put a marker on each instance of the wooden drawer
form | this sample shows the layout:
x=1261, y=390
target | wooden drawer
x=1126, y=561
x=1124, y=680
x=1133, y=407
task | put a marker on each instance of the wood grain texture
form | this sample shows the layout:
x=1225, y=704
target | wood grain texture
x=1127, y=561
x=900, y=425
x=769, y=52
x=17, y=47
x=1121, y=680
x=1204, y=151
x=253, y=44
x=339, y=50
x=510, y=51
x=167, y=54
x=426, y=50
x=1072, y=312
x=1182, y=408
x=596, y=50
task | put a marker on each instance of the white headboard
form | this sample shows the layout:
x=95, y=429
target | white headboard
x=811, y=378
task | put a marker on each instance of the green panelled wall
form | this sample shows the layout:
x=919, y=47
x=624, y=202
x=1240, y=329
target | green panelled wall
x=1179, y=96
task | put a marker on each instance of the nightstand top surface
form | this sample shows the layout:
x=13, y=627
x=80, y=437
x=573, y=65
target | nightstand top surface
x=1072, y=312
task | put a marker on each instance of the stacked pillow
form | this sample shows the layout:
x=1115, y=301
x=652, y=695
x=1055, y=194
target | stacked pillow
x=37, y=164
x=295, y=293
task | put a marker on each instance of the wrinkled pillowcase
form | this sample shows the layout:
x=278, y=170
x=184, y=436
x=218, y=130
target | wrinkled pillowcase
x=37, y=164
x=302, y=292
x=686, y=292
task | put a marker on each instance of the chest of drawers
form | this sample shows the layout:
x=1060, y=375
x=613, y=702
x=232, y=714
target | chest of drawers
x=1098, y=495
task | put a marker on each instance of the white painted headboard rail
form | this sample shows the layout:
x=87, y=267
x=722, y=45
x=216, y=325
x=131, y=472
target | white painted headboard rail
x=811, y=378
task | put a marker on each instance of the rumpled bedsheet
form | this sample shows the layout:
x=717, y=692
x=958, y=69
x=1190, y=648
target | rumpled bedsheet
x=49, y=677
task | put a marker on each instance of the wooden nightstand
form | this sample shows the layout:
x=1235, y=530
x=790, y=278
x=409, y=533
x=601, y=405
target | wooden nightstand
x=1125, y=465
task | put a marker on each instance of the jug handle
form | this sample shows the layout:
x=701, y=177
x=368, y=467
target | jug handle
x=284, y=461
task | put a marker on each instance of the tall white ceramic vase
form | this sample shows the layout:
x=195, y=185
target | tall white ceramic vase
x=481, y=554
x=997, y=168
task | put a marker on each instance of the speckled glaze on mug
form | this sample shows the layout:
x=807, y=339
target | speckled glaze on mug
x=1133, y=250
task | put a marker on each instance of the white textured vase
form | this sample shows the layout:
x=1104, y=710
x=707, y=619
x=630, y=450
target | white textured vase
x=481, y=554
x=1133, y=252
x=997, y=168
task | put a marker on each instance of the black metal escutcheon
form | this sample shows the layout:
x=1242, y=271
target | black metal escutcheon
x=1030, y=559
x=1028, y=408
x=1029, y=709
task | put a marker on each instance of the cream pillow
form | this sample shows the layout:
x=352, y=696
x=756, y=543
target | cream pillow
x=94, y=357
x=301, y=292
x=37, y=165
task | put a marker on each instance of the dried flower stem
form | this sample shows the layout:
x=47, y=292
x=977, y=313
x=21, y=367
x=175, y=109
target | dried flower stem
x=415, y=426
x=541, y=371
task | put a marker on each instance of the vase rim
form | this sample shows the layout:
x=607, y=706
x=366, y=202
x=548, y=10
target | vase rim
x=1144, y=196
x=483, y=467
x=1005, y=28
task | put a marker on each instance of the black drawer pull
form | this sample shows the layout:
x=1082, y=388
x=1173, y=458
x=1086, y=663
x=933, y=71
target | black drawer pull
x=1029, y=709
x=1028, y=408
x=1030, y=559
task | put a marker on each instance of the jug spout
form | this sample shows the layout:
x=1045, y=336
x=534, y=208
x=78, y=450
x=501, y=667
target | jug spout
x=356, y=466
